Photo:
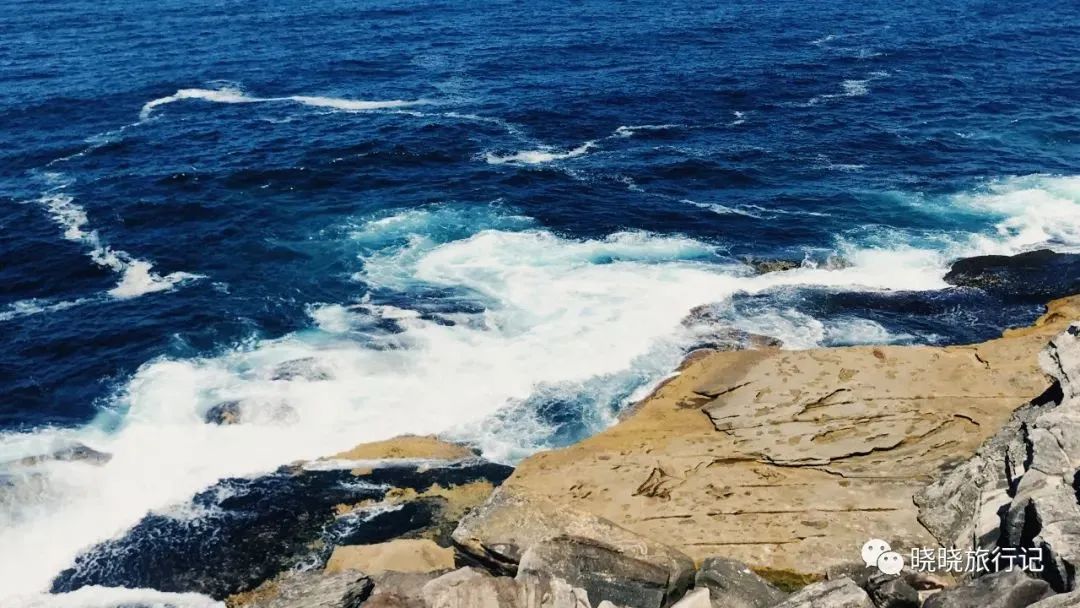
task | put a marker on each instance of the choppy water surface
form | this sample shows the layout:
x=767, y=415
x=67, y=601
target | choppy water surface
x=363, y=220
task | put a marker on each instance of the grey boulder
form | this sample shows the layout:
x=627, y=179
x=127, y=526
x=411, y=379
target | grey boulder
x=731, y=584
x=999, y=590
x=838, y=593
x=472, y=588
x=604, y=572
x=316, y=590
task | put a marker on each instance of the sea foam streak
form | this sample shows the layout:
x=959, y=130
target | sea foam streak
x=559, y=316
x=232, y=95
x=35, y=306
x=547, y=154
x=136, y=276
x=543, y=155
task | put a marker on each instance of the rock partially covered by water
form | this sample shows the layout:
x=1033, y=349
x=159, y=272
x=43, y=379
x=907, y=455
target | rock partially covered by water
x=764, y=265
x=241, y=532
x=1033, y=276
x=712, y=330
x=307, y=368
x=75, y=452
x=226, y=412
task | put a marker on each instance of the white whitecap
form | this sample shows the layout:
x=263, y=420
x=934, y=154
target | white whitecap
x=539, y=156
x=631, y=130
x=35, y=306
x=234, y=95
x=136, y=276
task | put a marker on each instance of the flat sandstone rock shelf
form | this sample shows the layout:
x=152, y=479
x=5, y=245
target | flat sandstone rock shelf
x=790, y=460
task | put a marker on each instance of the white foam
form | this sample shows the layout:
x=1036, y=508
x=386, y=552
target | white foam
x=631, y=130
x=235, y=95
x=719, y=209
x=136, y=276
x=1034, y=211
x=850, y=88
x=547, y=154
x=539, y=156
x=35, y=306
x=825, y=162
x=114, y=597
x=351, y=105
x=751, y=210
x=224, y=95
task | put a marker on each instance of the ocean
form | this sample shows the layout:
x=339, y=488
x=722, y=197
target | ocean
x=354, y=220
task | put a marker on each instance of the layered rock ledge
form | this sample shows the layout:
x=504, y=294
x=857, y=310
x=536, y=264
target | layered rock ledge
x=790, y=460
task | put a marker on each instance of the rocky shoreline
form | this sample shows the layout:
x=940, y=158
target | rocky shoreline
x=751, y=479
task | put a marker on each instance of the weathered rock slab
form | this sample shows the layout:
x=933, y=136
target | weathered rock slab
x=790, y=460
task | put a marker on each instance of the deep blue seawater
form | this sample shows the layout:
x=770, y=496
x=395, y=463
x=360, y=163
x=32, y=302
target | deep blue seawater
x=361, y=219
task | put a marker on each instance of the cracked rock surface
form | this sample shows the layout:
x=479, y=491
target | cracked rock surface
x=1022, y=488
x=790, y=460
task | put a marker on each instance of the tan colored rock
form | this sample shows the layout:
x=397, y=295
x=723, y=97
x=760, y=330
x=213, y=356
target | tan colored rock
x=407, y=446
x=399, y=555
x=785, y=460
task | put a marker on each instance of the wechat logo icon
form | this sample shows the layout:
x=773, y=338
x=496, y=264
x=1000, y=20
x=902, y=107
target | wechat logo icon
x=878, y=554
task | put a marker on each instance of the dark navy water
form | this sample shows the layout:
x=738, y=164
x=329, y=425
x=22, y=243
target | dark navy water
x=486, y=219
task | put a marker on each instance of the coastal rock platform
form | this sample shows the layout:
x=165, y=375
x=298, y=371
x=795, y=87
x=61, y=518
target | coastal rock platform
x=790, y=460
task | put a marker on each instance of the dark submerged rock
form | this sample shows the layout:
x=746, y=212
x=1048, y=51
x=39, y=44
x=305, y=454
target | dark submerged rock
x=1033, y=276
x=241, y=532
